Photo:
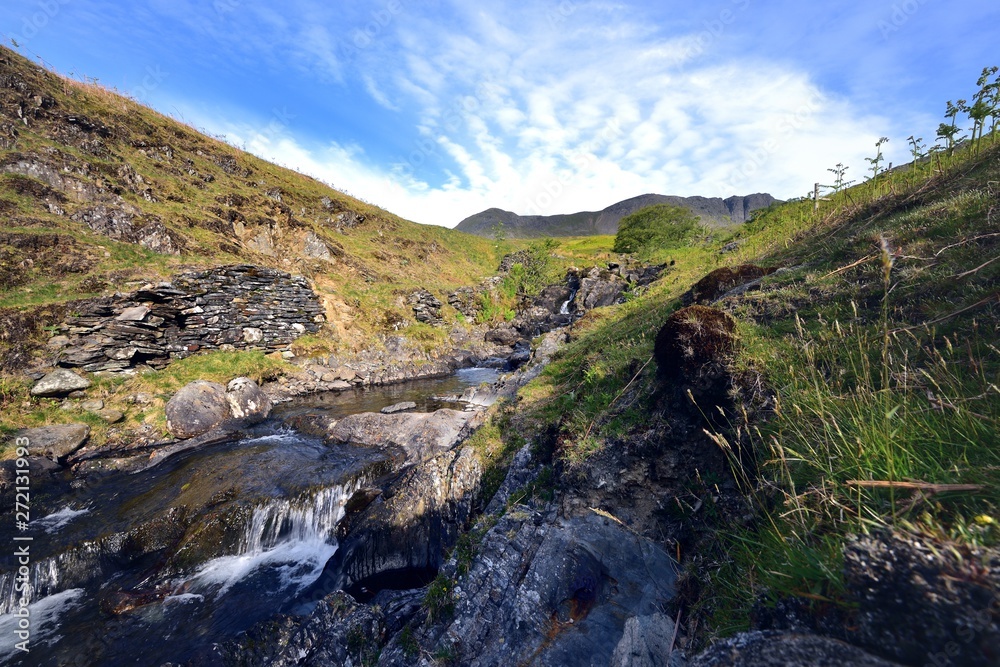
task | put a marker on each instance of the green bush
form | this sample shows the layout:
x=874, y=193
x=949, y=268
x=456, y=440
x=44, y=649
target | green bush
x=655, y=227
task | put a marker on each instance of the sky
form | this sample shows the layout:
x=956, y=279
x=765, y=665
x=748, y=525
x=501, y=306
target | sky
x=439, y=109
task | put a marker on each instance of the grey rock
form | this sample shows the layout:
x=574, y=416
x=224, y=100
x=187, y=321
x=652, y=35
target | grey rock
x=59, y=383
x=196, y=409
x=134, y=314
x=920, y=604
x=551, y=591
x=503, y=335
x=596, y=292
x=648, y=641
x=54, y=442
x=247, y=401
x=313, y=246
x=110, y=415
x=776, y=649
x=420, y=435
x=252, y=335
x=93, y=405
x=398, y=407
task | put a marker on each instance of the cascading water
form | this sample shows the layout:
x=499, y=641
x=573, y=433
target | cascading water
x=564, y=309
x=293, y=536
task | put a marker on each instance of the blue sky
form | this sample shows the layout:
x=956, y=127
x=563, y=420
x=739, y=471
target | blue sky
x=439, y=109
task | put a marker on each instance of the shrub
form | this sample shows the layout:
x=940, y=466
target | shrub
x=655, y=227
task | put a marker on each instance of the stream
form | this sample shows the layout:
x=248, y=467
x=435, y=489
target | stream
x=160, y=566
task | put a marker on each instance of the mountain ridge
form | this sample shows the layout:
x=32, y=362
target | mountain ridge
x=713, y=211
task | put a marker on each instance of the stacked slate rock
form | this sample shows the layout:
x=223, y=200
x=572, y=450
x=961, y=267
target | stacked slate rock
x=239, y=307
x=426, y=307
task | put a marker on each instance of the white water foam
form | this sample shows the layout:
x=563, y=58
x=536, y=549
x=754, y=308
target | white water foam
x=44, y=615
x=294, y=537
x=53, y=522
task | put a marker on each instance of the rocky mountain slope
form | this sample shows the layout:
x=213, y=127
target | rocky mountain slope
x=713, y=211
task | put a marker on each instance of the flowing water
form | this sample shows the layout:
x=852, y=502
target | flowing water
x=162, y=565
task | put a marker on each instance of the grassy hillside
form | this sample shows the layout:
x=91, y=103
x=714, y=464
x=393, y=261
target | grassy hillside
x=67, y=148
x=866, y=383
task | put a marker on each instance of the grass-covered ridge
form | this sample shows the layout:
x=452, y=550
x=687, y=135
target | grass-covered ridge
x=879, y=347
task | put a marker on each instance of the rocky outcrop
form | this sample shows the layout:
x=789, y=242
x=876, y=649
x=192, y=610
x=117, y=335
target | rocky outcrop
x=554, y=591
x=426, y=307
x=924, y=605
x=60, y=382
x=598, y=289
x=239, y=307
x=123, y=224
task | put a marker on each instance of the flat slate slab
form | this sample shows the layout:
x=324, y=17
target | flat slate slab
x=59, y=383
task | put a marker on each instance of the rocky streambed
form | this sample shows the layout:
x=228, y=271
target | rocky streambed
x=183, y=556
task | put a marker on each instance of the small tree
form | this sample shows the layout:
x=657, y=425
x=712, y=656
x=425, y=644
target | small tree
x=655, y=227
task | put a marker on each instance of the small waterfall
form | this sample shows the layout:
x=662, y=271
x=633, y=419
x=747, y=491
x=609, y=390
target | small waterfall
x=293, y=536
x=49, y=576
x=564, y=310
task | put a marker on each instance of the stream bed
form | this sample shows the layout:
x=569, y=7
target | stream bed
x=160, y=566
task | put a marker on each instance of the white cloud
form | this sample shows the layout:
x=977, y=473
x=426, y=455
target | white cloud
x=559, y=109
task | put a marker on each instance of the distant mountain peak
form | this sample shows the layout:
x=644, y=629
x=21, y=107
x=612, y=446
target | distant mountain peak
x=713, y=211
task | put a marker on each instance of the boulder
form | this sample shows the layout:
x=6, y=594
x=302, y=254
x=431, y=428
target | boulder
x=776, y=649
x=504, y=334
x=110, y=415
x=419, y=434
x=92, y=405
x=59, y=382
x=924, y=603
x=247, y=401
x=196, y=408
x=54, y=442
x=648, y=641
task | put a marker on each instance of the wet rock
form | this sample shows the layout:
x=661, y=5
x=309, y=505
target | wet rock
x=338, y=632
x=553, y=297
x=722, y=280
x=597, y=290
x=398, y=407
x=54, y=442
x=775, y=649
x=920, y=603
x=196, y=408
x=247, y=401
x=59, y=382
x=420, y=435
x=504, y=334
x=410, y=526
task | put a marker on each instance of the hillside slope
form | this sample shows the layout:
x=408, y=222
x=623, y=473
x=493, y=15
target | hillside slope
x=712, y=210
x=99, y=194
